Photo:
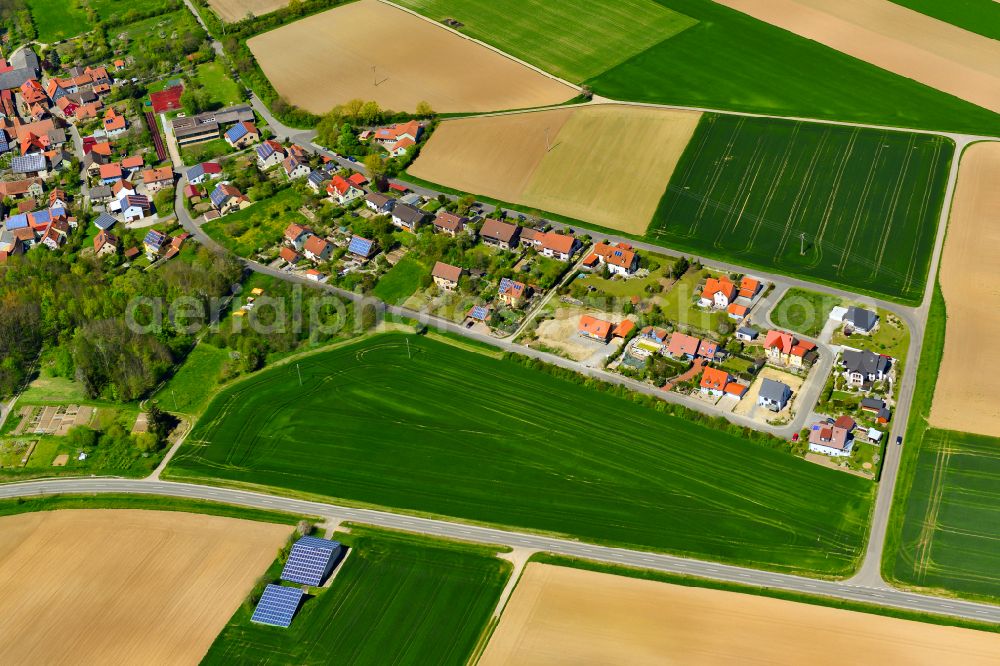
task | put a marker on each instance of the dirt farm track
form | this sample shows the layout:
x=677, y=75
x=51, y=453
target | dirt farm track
x=568, y=616
x=124, y=586
x=972, y=297
x=895, y=38
x=373, y=51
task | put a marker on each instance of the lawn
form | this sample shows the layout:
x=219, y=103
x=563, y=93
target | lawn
x=260, y=226
x=803, y=311
x=980, y=16
x=619, y=288
x=194, y=382
x=573, y=39
x=221, y=88
x=205, y=151
x=851, y=207
x=396, y=599
x=399, y=283
x=151, y=31
x=679, y=304
x=892, y=337
x=56, y=20
x=732, y=61
x=420, y=425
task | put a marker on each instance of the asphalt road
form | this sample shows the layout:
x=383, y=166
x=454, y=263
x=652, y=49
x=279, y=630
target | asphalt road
x=489, y=535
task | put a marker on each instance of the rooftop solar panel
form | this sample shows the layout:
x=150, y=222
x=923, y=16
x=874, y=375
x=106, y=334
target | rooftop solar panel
x=360, y=246
x=479, y=312
x=310, y=560
x=277, y=606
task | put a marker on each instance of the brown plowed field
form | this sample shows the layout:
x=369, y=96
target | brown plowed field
x=327, y=59
x=895, y=38
x=607, y=164
x=123, y=586
x=559, y=615
x=969, y=378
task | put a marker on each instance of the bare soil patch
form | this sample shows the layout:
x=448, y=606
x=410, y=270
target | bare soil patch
x=607, y=164
x=895, y=38
x=123, y=586
x=562, y=333
x=969, y=283
x=328, y=58
x=747, y=406
x=559, y=615
x=231, y=11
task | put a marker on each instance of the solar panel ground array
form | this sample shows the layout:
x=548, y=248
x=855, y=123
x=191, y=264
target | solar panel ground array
x=277, y=606
x=866, y=200
x=310, y=560
x=398, y=599
x=428, y=427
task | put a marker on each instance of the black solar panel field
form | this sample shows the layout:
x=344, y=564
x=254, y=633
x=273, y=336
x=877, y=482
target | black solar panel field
x=395, y=600
x=433, y=428
x=867, y=201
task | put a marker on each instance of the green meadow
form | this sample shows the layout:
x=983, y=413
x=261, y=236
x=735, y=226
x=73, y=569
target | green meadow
x=419, y=425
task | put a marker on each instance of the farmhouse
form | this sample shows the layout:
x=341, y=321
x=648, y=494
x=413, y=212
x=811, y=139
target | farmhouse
x=718, y=293
x=407, y=217
x=27, y=187
x=513, y=293
x=134, y=207
x=397, y=138
x=446, y=276
x=862, y=368
x=449, y=223
x=774, y=395
x=379, y=203
x=269, y=154
x=832, y=440
x=860, y=320
x=500, y=234
x=594, y=328
x=619, y=258
x=205, y=126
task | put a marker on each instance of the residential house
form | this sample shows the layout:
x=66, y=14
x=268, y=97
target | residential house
x=803, y=354
x=135, y=207
x=110, y=173
x=26, y=187
x=655, y=334
x=513, y=293
x=619, y=258
x=749, y=287
x=778, y=347
x=105, y=243
x=594, y=328
x=683, y=346
x=242, y=134
x=296, y=235
x=289, y=255
x=746, y=334
x=446, y=276
x=314, y=275
x=317, y=180
x=131, y=164
x=479, y=313
x=114, y=123
x=343, y=191
x=831, y=440
x=200, y=173
x=227, y=198
x=379, y=203
x=862, y=367
x=407, y=217
x=623, y=329
x=120, y=188
x=878, y=407
x=774, y=395
x=154, y=242
x=55, y=235
x=32, y=92
x=390, y=137
x=500, y=234
x=295, y=167
x=270, y=153
x=737, y=311
x=449, y=223
x=714, y=382
x=362, y=248
x=158, y=179
x=317, y=249
x=100, y=194
x=718, y=293
x=556, y=246
x=860, y=320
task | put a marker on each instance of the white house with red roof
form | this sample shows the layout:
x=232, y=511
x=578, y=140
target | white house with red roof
x=343, y=191
x=557, y=246
x=718, y=293
x=620, y=258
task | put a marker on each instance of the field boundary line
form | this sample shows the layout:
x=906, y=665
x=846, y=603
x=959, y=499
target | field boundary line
x=483, y=44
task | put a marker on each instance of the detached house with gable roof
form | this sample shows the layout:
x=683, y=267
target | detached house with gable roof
x=295, y=167
x=619, y=258
x=449, y=223
x=446, y=276
x=783, y=348
x=270, y=154
x=226, y=198
x=556, y=246
x=513, y=293
x=407, y=217
x=343, y=191
x=718, y=293
x=317, y=249
x=862, y=368
x=242, y=134
x=500, y=234
x=594, y=328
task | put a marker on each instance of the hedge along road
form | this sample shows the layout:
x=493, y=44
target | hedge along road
x=379, y=422
x=487, y=535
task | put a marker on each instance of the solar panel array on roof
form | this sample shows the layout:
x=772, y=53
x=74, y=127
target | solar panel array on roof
x=310, y=561
x=236, y=132
x=277, y=606
x=360, y=246
x=479, y=312
x=4, y=145
x=219, y=196
x=28, y=163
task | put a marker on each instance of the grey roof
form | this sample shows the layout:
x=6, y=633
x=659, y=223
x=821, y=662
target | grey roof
x=873, y=403
x=57, y=135
x=28, y=163
x=195, y=129
x=232, y=114
x=774, y=391
x=865, y=362
x=861, y=318
x=408, y=214
x=318, y=177
x=82, y=97
x=748, y=331
x=25, y=66
x=100, y=192
x=378, y=200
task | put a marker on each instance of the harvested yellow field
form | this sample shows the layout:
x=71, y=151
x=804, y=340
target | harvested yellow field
x=559, y=615
x=231, y=11
x=607, y=164
x=123, y=586
x=374, y=51
x=895, y=38
x=972, y=296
